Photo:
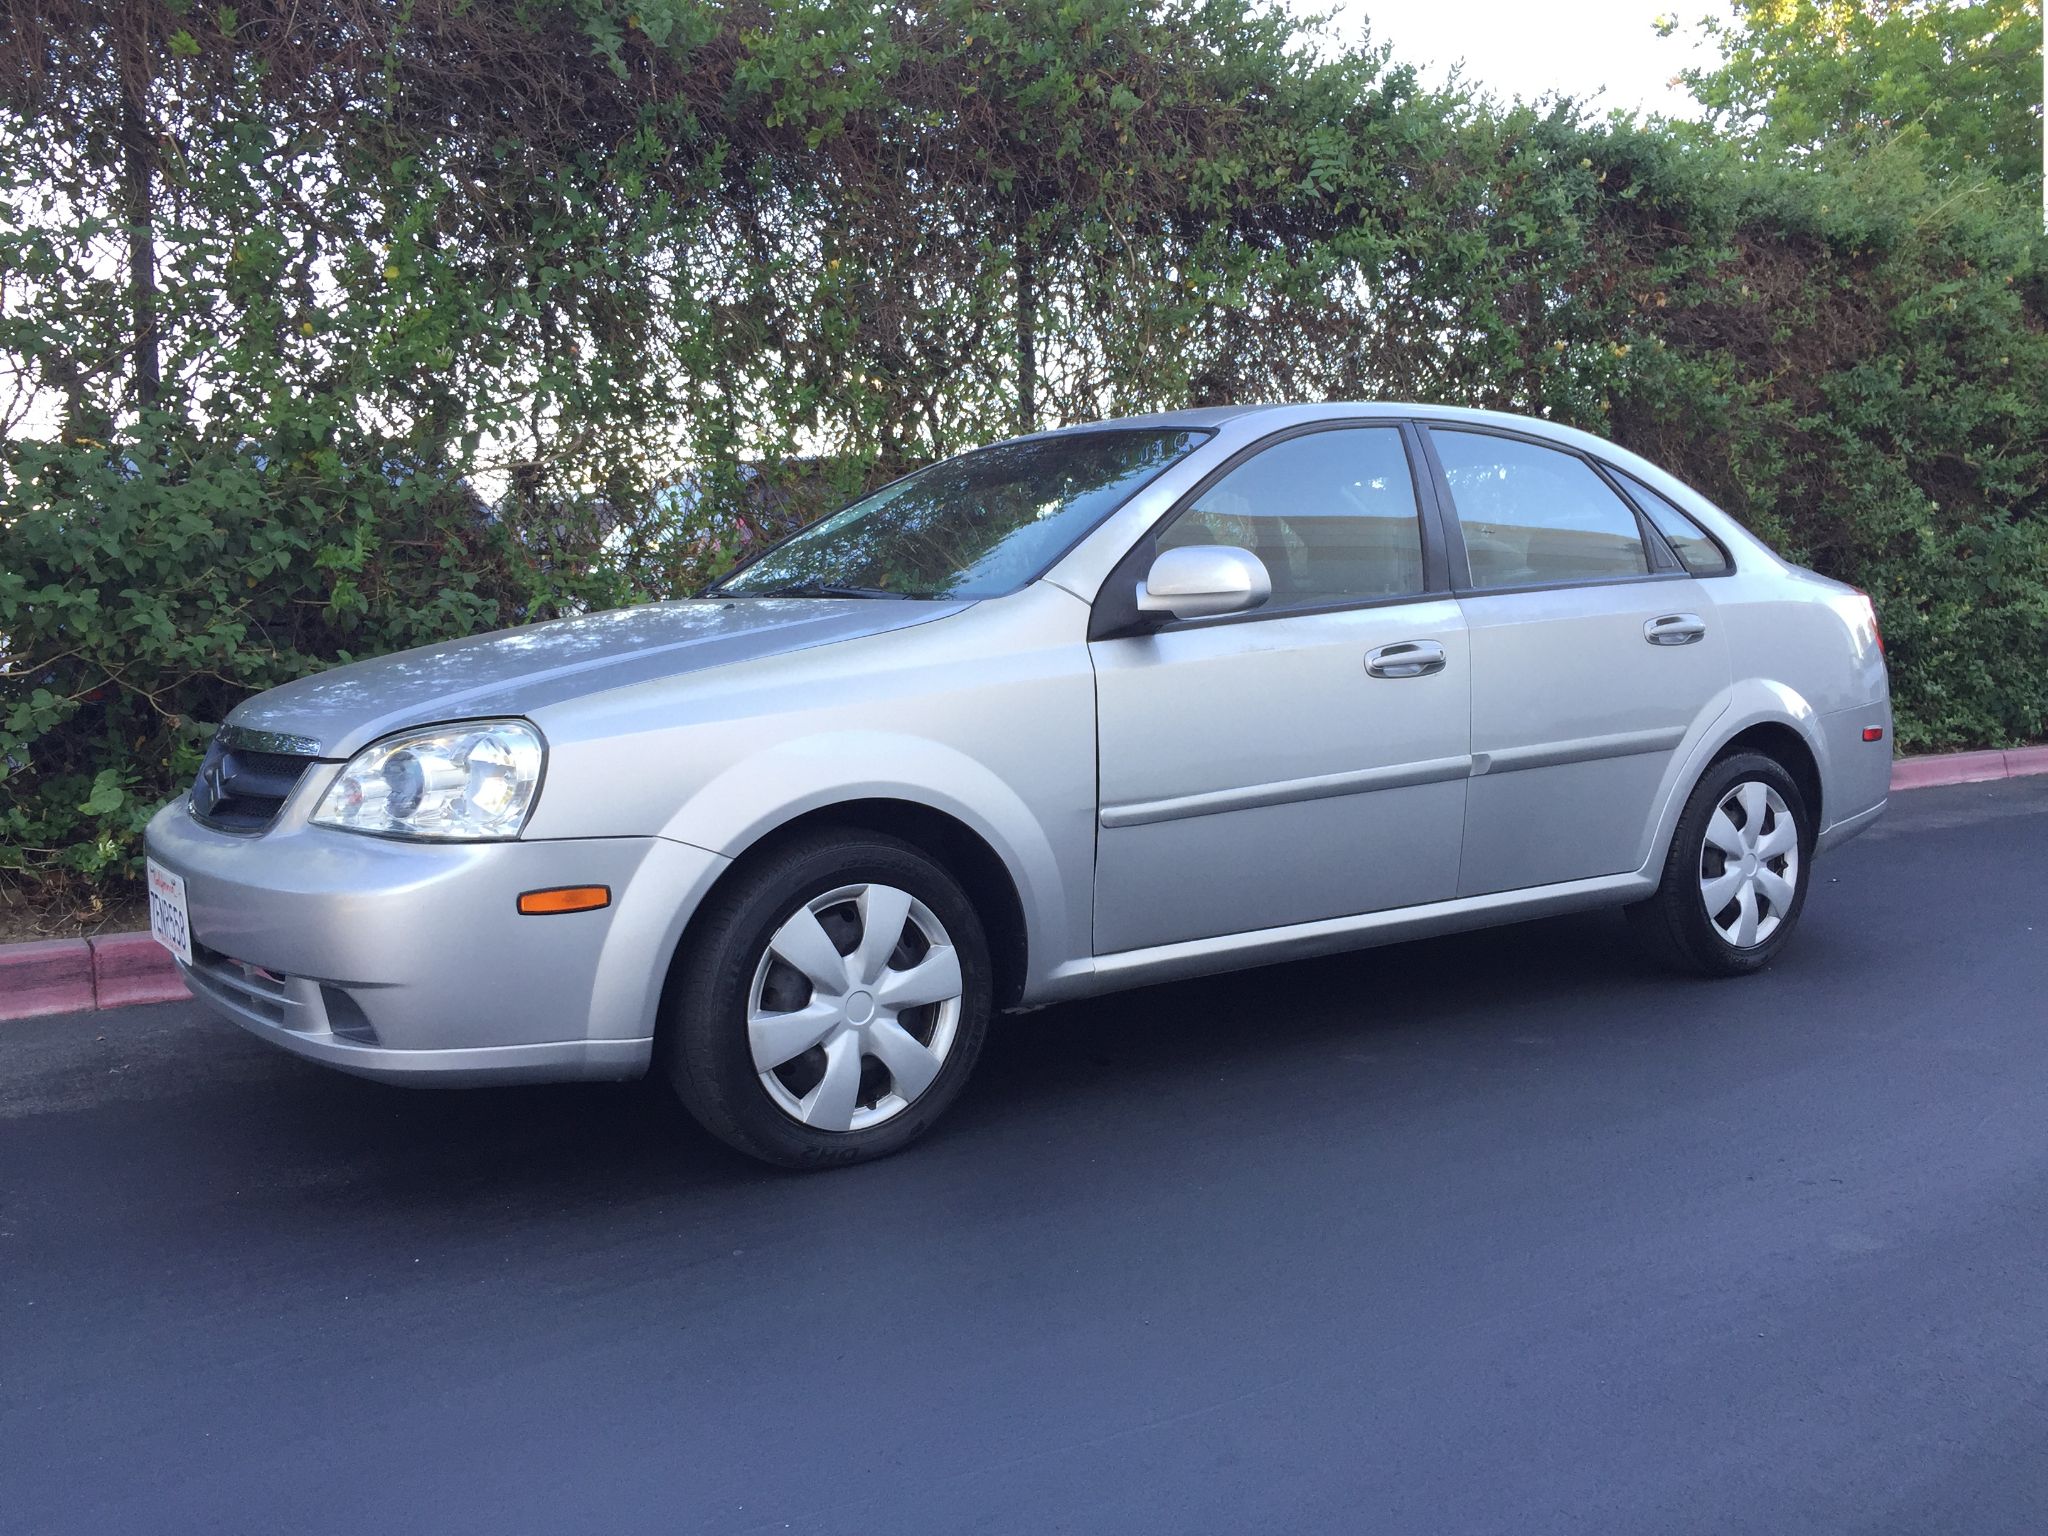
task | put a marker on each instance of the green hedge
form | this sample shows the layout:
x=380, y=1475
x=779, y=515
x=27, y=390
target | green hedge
x=463, y=316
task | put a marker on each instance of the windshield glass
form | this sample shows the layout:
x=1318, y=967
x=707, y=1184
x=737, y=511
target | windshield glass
x=980, y=525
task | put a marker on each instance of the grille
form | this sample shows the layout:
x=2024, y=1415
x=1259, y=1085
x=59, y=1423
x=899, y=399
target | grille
x=241, y=988
x=240, y=789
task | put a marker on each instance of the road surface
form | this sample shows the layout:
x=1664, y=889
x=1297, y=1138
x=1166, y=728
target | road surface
x=1500, y=1233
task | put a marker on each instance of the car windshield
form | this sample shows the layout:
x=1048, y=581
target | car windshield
x=980, y=525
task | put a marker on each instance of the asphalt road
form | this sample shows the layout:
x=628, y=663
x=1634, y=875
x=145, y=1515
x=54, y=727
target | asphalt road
x=1498, y=1233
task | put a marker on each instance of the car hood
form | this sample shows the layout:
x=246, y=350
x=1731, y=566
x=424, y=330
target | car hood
x=514, y=671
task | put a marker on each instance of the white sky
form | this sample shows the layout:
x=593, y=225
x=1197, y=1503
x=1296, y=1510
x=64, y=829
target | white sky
x=1527, y=47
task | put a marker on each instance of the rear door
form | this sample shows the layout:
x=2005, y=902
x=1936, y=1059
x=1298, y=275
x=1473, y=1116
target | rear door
x=1594, y=654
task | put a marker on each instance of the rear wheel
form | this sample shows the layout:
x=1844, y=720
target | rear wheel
x=1735, y=879
x=832, y=1002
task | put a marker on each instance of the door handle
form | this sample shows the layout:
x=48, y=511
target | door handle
x=1405, y=658
x=1675, y=629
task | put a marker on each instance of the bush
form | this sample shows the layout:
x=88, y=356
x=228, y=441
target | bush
x=337, y=335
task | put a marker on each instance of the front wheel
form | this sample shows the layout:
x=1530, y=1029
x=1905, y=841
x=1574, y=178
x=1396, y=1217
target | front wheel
x=832, y=1002
x=1735, y=879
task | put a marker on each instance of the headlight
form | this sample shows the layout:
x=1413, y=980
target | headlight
x=449, y=781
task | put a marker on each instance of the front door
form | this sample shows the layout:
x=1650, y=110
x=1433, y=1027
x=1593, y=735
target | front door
x=1305, y=760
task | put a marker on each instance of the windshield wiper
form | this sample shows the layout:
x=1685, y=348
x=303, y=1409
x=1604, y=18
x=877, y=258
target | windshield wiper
x=823, y=589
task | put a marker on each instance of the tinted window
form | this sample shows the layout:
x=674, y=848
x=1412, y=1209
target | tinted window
x=1533, y=515
x=1695, y=548
x=1332, y=514
x=976, y=526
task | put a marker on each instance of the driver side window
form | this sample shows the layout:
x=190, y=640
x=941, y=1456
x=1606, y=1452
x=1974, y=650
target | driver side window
x=1332, y=515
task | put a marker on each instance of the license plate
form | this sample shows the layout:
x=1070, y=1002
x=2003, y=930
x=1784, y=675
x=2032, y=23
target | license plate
x=168, y=923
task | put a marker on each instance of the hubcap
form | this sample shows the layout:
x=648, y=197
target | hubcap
x=854, y=1007
x=1749, y=864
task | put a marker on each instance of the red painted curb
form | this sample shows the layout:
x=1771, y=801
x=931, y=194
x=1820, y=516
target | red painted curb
x=47, y=976
x=133, y=968
x=1952, y=768
x=2021, y=761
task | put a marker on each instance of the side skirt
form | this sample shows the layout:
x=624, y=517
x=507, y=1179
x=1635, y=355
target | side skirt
x=1334, y=935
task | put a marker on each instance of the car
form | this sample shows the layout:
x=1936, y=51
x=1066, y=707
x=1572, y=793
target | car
x=1142, y=699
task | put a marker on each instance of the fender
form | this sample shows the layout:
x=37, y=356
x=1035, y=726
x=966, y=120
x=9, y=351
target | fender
x=1747, y=702
x=766, y=790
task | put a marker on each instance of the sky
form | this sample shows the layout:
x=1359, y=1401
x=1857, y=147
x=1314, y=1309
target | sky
x=1527, y=47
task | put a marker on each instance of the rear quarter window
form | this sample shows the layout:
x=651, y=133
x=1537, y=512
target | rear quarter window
x=1696, y=549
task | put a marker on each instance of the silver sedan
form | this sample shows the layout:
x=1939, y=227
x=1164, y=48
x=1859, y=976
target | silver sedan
x=1143, y=699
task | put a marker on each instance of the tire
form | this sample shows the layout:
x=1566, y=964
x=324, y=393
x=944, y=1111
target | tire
x=1741, y=806
x=864, y=1049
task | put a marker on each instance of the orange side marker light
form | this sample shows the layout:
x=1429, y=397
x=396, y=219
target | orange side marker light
x=565, y=898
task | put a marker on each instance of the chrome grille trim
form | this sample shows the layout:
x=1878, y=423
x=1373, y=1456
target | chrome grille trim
x=242, y=789
x=279, y=743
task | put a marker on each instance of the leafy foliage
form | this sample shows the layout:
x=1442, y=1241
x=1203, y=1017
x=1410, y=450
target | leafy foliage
x=338, y=329
x=1959, y=84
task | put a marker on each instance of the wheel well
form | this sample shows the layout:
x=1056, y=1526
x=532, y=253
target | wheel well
x=1789, y=750
x=948, y=841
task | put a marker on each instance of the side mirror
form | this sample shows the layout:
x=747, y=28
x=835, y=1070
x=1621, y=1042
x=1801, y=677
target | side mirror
x=1199, y=581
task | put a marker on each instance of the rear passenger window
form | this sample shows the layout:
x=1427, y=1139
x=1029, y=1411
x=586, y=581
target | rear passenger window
x=1694, y=546
x=1332, y=514
x=1534, y=515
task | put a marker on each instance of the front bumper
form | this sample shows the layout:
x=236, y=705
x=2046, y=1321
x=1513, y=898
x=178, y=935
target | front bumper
x=410, y=962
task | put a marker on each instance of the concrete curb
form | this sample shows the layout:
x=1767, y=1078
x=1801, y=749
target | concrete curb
x=1968, y=767
x=111, y=970
x=133, y=968
x=116, y=970
x=48, y=976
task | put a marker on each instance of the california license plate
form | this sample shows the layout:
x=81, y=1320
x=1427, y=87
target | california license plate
x=168, y=923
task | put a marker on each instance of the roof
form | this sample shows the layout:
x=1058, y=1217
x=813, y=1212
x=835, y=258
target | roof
x=1216, y=415
x=1306, y=411
x=1196, y=416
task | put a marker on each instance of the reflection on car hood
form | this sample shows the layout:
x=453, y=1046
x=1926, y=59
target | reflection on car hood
x=515, y=671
